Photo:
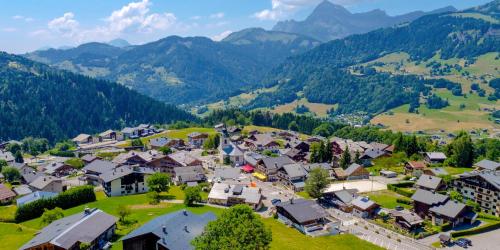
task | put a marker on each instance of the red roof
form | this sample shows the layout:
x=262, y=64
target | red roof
x=247, y=168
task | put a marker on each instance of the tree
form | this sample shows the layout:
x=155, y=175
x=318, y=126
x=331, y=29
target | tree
x=462, y=151
x=357, y=157
x=165, y=150
x=123, y=211
x=13, y=148
x=345, y=158
x=316, y=182
x=475, y=206
x=18, y=157
x=11, y=174
x=328, y=152
x=137, y=143
x=3, y=163
x=212, y=142
x=158, y=182
x=456, y=196
x=193, y=195
x=315, y=152
x=293, y=126
x=50, y=216
x=236, y=228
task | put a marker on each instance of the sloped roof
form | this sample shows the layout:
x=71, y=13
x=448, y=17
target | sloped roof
x=345, y=196
x=436, y=155
x=123, y=171
x=450, y=209
x=22, y=190
x=6, y=156
x=89, y=157
x=294, y=170
x=81, y=137
x=363, y=203
x=303, y=210
x=429, y=181
x=416, y=164
x=42, y=181
x=352, y=168
x=276, y=162
x=100, y=166
x=428, y=197
x=487, y=164
x=182, y=157
x=227, y=173
x=158, y=142
x=6, y=193
x=34, y=196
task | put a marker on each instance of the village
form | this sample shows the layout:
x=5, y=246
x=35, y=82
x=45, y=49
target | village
x=315, y=185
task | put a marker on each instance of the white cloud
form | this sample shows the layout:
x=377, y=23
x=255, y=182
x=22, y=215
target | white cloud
x=65, y=25
x=195, y=17
x=218, y=15
x=26, y=19
x=221, y=36
x=9, y=29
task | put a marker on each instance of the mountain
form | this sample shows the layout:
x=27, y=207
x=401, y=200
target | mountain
x=329, y=21
x=39, y=101
x=353, y=72
x=120, y=43
x=184, y=70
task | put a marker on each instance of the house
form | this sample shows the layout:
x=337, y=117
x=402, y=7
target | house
x=356, y=172
x=130, y=133
x=261, y=142
x=173, y=231
x=388, y=174
x=58, y=169
x=29, y=174
x=487, y=165
x=108, y=135
x=137, y=158
x=6, y=194
x=364, y=207
x=125, y=180
x=434, y=157
x=270, y=165
x=430, y=183
x=96, y=168
x=221, y=174
x=435, y=171
x=230, y=152
x=412, y=166
x=184, y=175
x=234, y=130
x=326, y=166
x=296, y=154
x=339, y=174
x=481, y=187
x=339, y=145
x=372, y=154
x=229, y=195
x=452, y=212
x=302, y=146
x=197, y=139
x=7, y=156
x=34, y=197
x=423, y=200
x=92, y=227
x=305, y=215
x=252, y=158
x=293, y=175
x=407, y=220
x=83, y=139
x=48, y=184
x=89, y=158
x=342, y=199
x=22, y=190
x=160, y=142
x=176, y=159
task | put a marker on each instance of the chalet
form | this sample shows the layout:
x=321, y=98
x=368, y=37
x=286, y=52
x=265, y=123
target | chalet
x=93, y=227
x=89, y=158
x=58, y=169
x=339, y=145
x=481, y=187
x=260, y=142
x=326, y=166
x=22, y=190
x=302, y=146
x=423, y=200
x=130, y=133
x=356, y=172
x=146, y=130
x=305, y=215
x=157, y=143
x=269, y=166
x=83, y=139
x=380, y=146
x=364, y=207
x=96, y=168
x=388, y=174
x=412, y=166
x=224, y=173
x=6, y=194
x=371, y=154
x=339, y=174
x=125, y=180
x=190, y=174
x=6, y=156
x=487, y=165
x=316, y=138
x=34, y=197
x=29, y=174
x=176, y=159
x=435, y=171
x=293, y=175
x=229, y=195
x=407, y=220
x=342, y=199
x=173, y=231
x=234, y=130
x=434, y=157
x=252, y=158
x=48, y=184
x=137, y=158
x=452, y=212
x=197, y=139
x=296, y=154
x=430, y=183
x=108, y=135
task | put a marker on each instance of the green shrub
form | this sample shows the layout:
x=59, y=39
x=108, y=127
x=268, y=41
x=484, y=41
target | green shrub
x=477, y=230
x=404, y=201
x=446, y=227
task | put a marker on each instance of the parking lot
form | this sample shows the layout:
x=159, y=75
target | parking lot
x=485, y=241
x=363, y=186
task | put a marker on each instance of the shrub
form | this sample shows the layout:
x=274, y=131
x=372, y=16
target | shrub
x=404, y=201
x=477, y=230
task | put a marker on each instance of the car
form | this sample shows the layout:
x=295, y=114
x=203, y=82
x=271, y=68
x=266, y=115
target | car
x=399, y=208
x=275, y=201
x=463, y=242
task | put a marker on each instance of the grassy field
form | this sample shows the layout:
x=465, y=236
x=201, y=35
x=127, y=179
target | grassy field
x=393, y=163
x=178, y=134
x=387, y=199
x=318, y=109
x=7, y=213
x=455, y=171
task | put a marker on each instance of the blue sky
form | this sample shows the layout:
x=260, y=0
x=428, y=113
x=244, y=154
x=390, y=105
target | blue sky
x=28, y=25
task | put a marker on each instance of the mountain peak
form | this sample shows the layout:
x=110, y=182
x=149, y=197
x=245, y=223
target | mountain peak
x=119, y=42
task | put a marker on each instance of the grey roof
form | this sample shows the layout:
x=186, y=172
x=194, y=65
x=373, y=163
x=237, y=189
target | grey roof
x=123, y=171
x=294, y=170
x=227, y=173
x=34, y=196
x=6, y=156
x=67, y=231
x=42, y=181
x=487, y=164
x=89, y=157
x=188, y=169
x=428, y=181
x=100, y=166
x=253, y=158
x=345, y=196
x=436, y=155
x=450, y=209
x=176, y=237
x=311, y=166
x=491, y=177
x=409, y=217
x=276, y=162
x=29, y=174
x=363, y=203
x=352, y=168
x=373, y=153
x=223, y=191
x=22, y=190
x=438, y=171
x=428, y=197
x=128, y=130
x=303, y=210
x=53, y=167
x=158, y=142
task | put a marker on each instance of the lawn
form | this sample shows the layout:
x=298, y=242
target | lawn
x=178, y=133
x=7, y=213
x=456, y=171
x=387, y=199
x=289, y=238
x=393, y=163
x=304, y=195
x=14, y=236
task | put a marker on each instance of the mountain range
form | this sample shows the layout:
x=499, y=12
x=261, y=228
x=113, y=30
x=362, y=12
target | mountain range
x=330, y=21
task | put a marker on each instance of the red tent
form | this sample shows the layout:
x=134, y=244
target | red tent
x=247, y=168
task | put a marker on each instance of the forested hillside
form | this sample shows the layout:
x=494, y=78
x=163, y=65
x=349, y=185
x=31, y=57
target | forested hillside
x=38, y=101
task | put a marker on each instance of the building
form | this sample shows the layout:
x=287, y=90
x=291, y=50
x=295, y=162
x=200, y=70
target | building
x=430, y=183
x=452, y=212
x=58, y=169
x=125, y=180
x=197, y=139
x=96, y=168
x=326, y=166
x=173, y=231
x=34, y=197
x=261, y=142
x=434, y=157
x=7, y=156
x=269, y=167
x=191, y=174
x=356, y=172
x=435, y=171
x=83, y=139
x=108, y=135
x=22, y=190
x=92, y=227
x=6, y=194
x=227, y=173
x=89, y=158
x=481, y=187
x=160, y=142
x=407, y=220
x=306, y=216
x=293, y=175
x=47, y=184
x=342, y=199
x=372, y=154
x=229, y=195
x=176, y=159
x=230, y=152
x=423, y=200
x=388, y=174
x=487, y=165
x=412, y=166
x=363, y=207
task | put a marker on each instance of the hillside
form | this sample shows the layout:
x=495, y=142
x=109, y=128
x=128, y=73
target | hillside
x=337, y=73
x=330, y=21
x=38, y=101
x=184, y=70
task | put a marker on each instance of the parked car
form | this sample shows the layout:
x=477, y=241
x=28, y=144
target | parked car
x=463, y=242
x=275, y=201
x=399, y=208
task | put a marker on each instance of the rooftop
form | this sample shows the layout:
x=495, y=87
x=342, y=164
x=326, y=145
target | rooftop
x=429, y=181
x=303, y=210
x=428, y=197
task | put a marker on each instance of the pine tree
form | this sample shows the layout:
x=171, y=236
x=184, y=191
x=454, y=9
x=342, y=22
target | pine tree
x=328, y=152
x=345, y=159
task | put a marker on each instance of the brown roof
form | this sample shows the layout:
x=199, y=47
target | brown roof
x=6, y=193
x=416, y=164
x=339, y=172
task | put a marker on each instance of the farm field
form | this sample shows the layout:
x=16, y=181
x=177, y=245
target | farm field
x=319, y=109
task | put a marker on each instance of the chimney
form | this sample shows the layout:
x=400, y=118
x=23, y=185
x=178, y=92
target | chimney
x=184, y=211
x=164, y=229
x=86, y=211
x=186, y=229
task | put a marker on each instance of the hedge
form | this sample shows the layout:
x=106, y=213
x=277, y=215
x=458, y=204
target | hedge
x=404, y=201
x=68, y=199
x=477, y=230
x=403, y=184
x=399, y=190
